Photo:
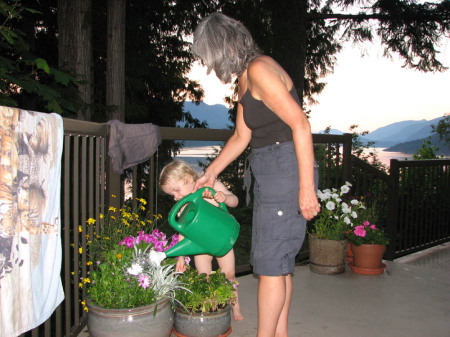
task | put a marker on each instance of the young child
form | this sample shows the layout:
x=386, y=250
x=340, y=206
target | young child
x=177, y=179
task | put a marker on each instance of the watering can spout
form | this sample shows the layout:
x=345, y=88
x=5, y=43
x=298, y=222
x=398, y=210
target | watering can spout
x=185, y=247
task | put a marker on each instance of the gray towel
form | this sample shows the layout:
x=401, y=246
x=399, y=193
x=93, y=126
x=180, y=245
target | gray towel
x=131, y=144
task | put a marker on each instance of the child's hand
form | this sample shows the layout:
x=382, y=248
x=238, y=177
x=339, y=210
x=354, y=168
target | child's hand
x=207, y=194
x=220, y=197
x=180, y=267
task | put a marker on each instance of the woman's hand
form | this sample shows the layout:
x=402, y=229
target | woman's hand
x=309, y=204
x=205, y=180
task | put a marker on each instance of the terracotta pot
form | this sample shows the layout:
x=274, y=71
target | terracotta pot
x=327, y=256
x=214, y=324
x=349, y=253
x=368, y=256
x=154, y=320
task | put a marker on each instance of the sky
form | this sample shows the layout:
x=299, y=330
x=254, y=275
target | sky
x=371, y=91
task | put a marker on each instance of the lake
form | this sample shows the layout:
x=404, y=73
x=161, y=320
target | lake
x=192, y=155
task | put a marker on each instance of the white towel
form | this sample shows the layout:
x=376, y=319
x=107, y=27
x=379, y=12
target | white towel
x=30, y=241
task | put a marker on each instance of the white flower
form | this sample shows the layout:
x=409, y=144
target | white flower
x=155, y=257
x=330, y=205
x=354, y=215
x=345, y=208
x=348, y=184
x=354, y=202
x=334, y=196
x=347, y=220
x=135, y=269
x=344, y=189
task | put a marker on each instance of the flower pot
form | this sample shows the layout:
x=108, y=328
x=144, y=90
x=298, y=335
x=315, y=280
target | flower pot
x=349, y=253
x=368, y=256
x=154, y=320
x=214, y=324
x=327, y=256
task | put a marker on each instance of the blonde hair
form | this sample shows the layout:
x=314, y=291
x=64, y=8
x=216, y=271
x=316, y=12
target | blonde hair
x=176, y=170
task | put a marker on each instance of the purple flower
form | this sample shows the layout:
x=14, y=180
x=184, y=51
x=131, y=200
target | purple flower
x=144, y=281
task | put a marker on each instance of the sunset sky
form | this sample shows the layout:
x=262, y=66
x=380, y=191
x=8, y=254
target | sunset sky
x=371, y=91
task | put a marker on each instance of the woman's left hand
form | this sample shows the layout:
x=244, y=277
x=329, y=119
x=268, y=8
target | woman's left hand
x=309, y=204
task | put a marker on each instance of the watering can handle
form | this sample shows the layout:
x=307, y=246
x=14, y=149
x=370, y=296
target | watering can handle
x=191, y=198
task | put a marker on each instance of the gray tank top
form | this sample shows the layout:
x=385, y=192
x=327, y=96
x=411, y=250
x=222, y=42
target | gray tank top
x=267, y=128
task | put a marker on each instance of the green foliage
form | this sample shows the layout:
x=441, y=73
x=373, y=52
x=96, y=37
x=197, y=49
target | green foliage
x=109, y=287
x=206, y=293
x=427, y=151
x=22, y=72
x=443, y=129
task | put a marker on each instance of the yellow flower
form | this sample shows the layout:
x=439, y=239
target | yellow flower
x=119, y=231
x=113, y=195
x=80, y=285
x=142, y=223
x=85, y=309
x=73, y=273
x=125, y=222
x=113, y=209
x=101, y=216
x=142, y=201
x=142, y=208
x=87, y=236
x=150, y=221
x=80, y=250
x=89, y=263
x=90, y=221
x=107, y=238
x=113, y=217
x=86, y=280
x=119, y=256
x=80, y=229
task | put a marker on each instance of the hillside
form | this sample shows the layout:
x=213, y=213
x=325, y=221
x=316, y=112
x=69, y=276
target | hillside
x=411, y=147
x=215, y=115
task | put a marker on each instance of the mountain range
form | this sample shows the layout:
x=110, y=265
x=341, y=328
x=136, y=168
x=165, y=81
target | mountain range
x=405, y=136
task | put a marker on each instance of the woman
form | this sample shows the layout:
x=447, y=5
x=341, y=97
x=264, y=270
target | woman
x=271, y=120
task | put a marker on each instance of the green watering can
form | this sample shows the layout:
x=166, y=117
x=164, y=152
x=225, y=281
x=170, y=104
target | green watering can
x=207, y=229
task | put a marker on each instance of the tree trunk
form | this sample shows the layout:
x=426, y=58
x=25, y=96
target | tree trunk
x=75, y=49
x=115, y=68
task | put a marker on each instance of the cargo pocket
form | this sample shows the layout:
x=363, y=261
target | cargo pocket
x=286, y=222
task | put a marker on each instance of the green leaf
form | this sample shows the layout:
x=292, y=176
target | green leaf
x=42, y=64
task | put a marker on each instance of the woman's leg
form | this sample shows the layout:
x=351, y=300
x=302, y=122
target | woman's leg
x=227, y=265
x=274, y=298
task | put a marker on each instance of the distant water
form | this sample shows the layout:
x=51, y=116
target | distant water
x=196, y=154
x=386, y=156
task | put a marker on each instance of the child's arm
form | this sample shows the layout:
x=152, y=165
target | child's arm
x=224, y=195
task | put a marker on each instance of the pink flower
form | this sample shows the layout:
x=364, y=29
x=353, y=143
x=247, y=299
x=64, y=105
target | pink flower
x=360, y=231
x=128, y=241
x=144, y=281
x=366, y=223
x=373, y=227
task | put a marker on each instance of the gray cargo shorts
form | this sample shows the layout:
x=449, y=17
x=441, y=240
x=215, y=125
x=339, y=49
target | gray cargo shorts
x=278, y=226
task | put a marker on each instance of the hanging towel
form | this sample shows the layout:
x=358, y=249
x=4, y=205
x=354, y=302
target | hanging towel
x=30, y=242
x=131, y=144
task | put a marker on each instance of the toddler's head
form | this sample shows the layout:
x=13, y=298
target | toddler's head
x=177, y=179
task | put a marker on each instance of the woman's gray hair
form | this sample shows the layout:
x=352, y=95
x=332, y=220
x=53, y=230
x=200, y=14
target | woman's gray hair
x=225, y=45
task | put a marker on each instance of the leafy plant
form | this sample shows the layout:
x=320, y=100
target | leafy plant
x=206, y=293
x=128, y=278
x=338, y=213
x=367, y=233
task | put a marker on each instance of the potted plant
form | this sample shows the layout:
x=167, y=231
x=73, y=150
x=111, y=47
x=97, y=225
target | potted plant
x=127, y=293
x=368, y=244
x=327, y=235
x=204, y=309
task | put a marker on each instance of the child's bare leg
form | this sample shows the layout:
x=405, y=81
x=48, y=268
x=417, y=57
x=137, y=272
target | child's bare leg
x=203, y=263
x=226, y=264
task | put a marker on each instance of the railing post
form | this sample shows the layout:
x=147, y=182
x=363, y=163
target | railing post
x=347, y=158
x=392, y=210
x=112, y=182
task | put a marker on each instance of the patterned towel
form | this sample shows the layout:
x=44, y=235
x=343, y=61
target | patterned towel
x=30, y=242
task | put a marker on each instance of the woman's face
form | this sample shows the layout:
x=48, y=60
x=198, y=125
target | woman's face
x=178, y=189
